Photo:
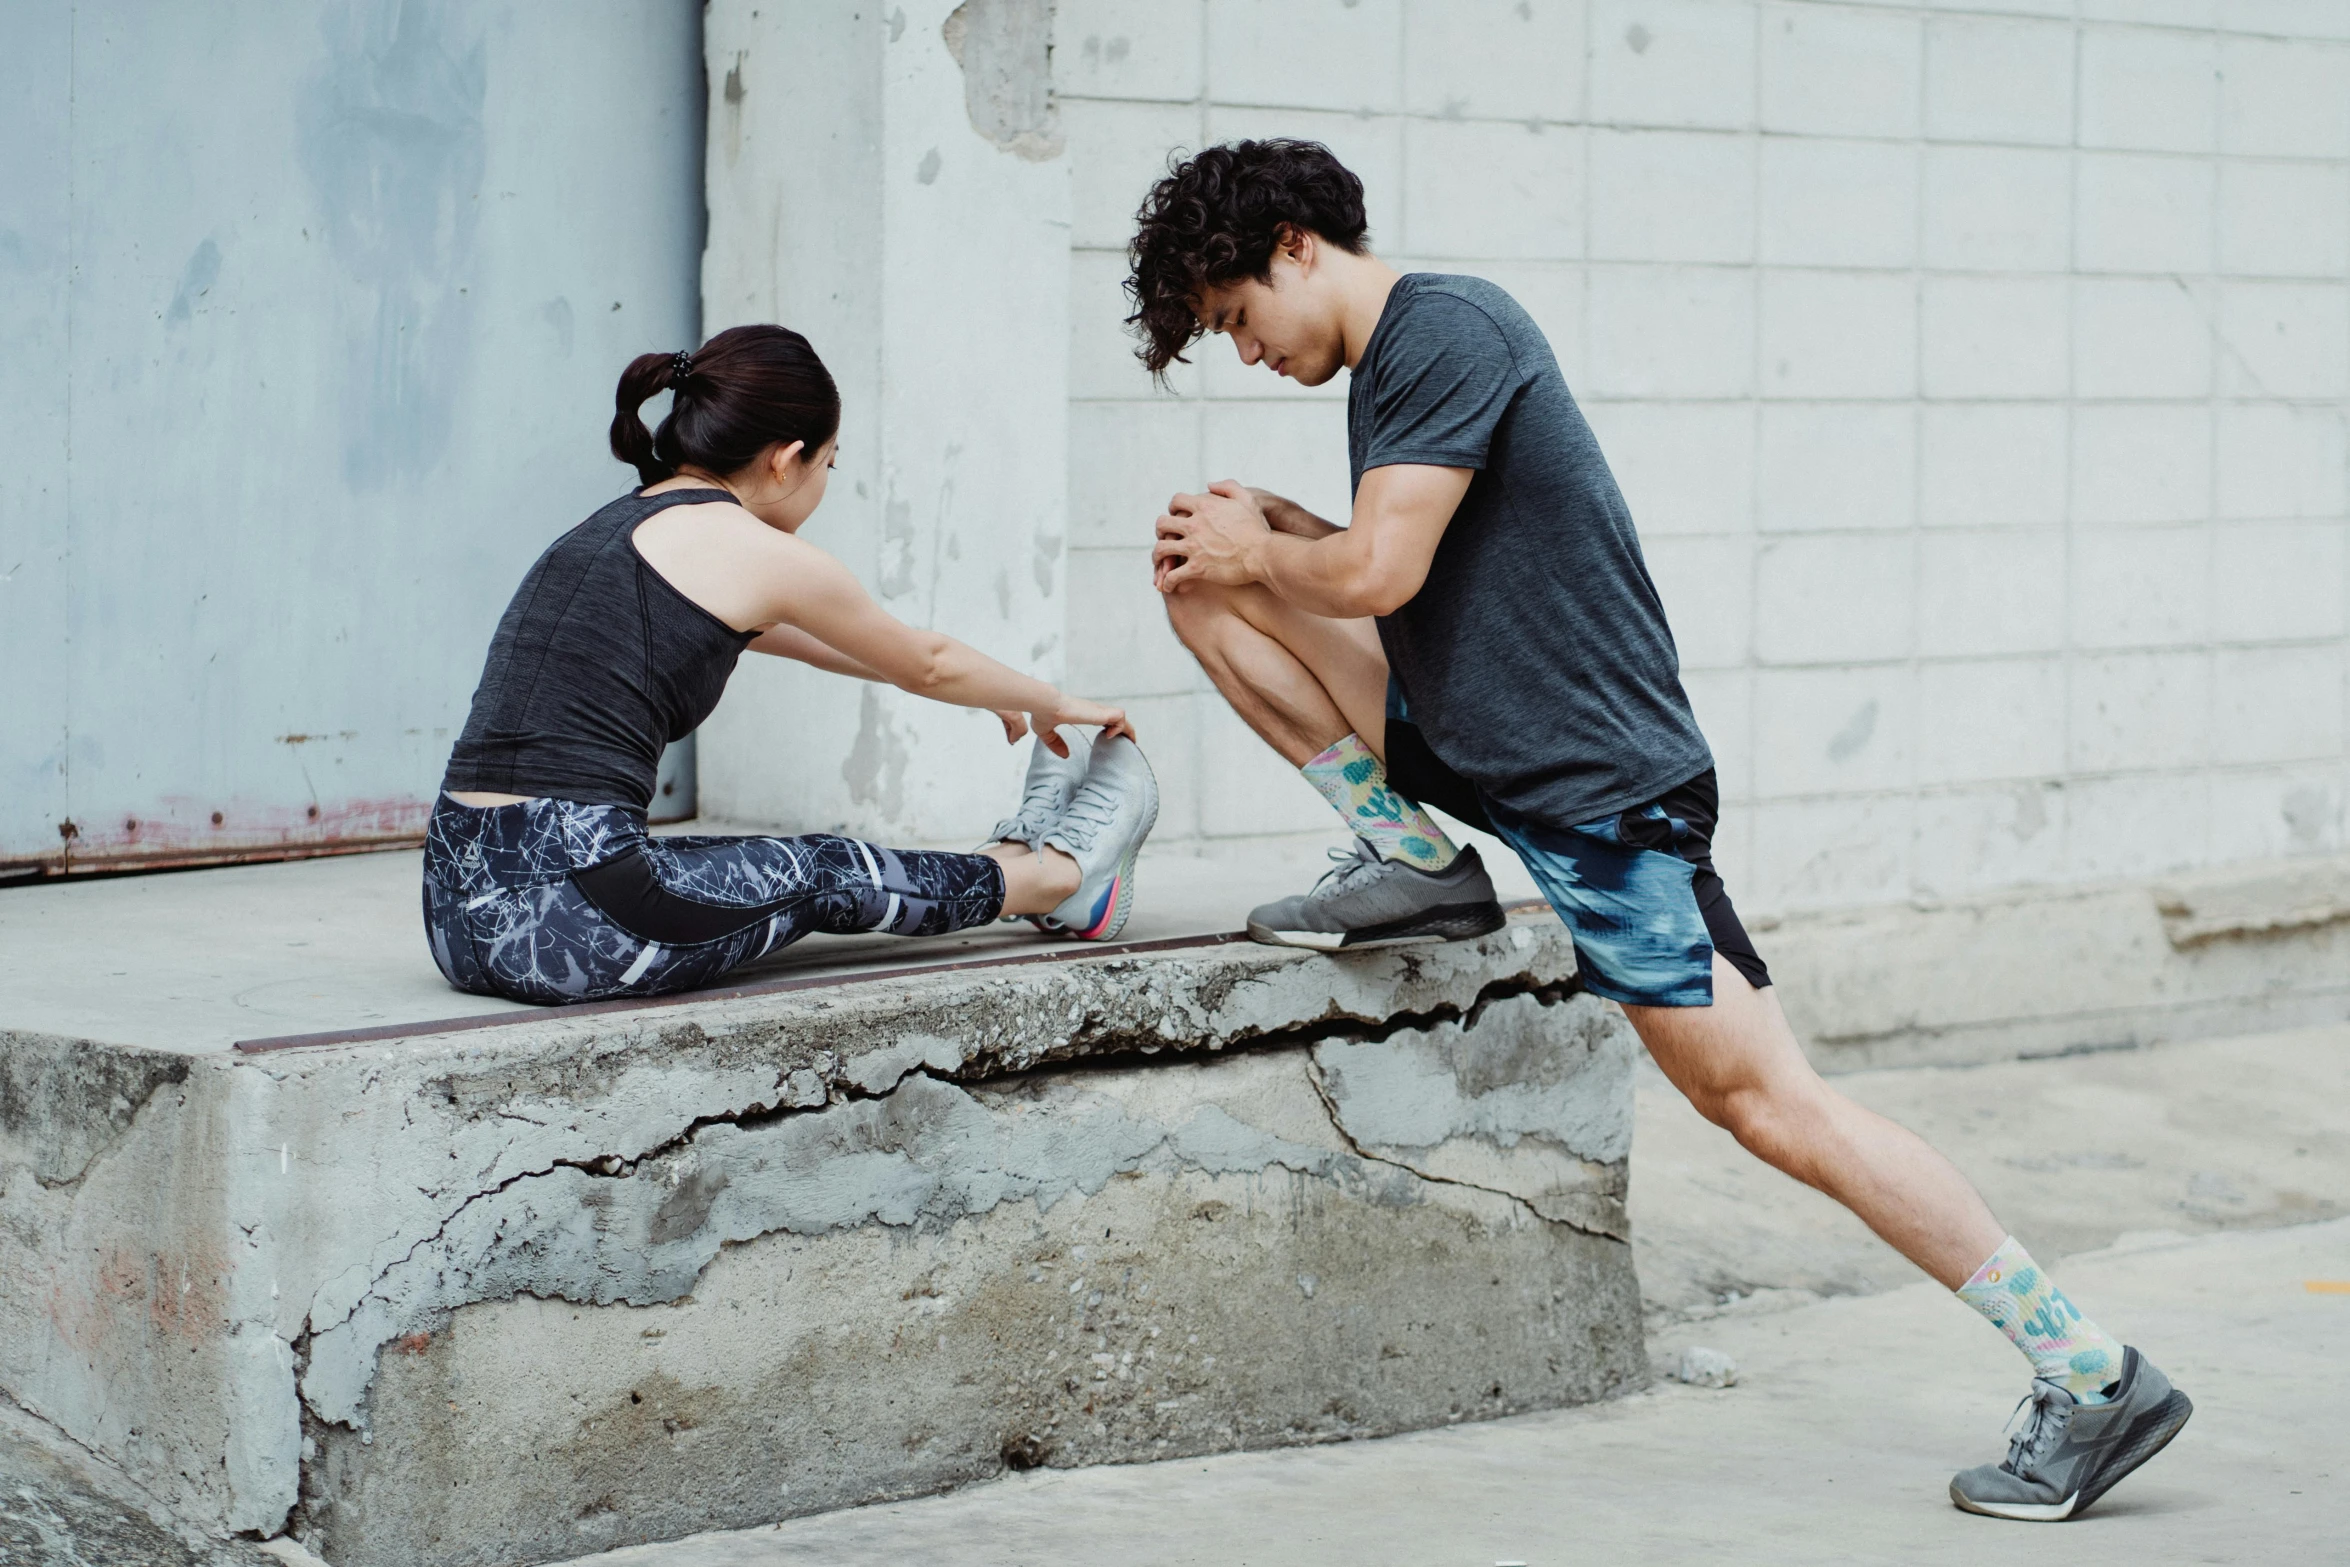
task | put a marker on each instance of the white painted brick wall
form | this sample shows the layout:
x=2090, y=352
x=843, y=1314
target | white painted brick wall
x=1978, y=371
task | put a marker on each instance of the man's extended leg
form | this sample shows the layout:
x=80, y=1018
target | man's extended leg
x=1739, y=1064
x=2099, y=1408
x=1315, y=689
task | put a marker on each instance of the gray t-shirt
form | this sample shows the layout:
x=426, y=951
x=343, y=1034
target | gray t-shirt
x=1535, y=659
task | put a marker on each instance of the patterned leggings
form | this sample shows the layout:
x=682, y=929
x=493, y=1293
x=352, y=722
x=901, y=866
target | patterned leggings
x=553, y=901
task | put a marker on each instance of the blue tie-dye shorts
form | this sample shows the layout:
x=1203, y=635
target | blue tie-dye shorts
x=1637, y=891
x=1629, y=900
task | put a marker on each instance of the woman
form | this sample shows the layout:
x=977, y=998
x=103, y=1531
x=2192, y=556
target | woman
x=540, y=880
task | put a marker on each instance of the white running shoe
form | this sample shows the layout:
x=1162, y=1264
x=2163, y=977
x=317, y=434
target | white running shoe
x=1052, y=780
x=1102, y=829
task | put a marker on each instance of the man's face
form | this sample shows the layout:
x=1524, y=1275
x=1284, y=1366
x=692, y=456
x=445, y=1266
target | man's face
x=1283, y=323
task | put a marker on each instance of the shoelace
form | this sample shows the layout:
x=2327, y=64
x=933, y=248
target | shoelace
x=1352, y=863
x=1034, y=818
x=2041, y=1429
x=1090, y=810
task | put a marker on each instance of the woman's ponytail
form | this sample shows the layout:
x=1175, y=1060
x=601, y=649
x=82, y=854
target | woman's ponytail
x=748, y=388
x=632, y=443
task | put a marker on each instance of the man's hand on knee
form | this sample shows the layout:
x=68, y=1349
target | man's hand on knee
x=1216, y=538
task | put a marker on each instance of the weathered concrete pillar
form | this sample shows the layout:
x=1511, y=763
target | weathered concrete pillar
x=890, y=182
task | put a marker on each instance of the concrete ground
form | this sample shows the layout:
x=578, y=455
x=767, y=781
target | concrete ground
x=2074, y=1153
x=2178, y=1183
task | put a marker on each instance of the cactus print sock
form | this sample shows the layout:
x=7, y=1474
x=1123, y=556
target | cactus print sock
x=2064, y=1347
x=1355, y=783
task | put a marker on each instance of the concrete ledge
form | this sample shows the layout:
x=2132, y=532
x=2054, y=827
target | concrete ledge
x=530, y=1290
x=2050, y=970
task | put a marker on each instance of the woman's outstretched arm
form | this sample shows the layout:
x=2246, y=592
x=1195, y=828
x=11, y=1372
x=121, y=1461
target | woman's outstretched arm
x=793, y=643
x=785, y=641
x=822, y=608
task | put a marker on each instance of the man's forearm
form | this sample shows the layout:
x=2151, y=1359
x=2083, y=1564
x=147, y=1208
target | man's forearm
x=1322, y=576
x=1284, y=515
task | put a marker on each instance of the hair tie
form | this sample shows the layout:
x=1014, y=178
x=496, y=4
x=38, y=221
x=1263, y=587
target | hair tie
x=681, y=365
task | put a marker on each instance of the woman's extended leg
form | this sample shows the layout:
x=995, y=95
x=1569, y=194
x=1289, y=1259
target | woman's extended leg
x=508, y=915
x=549, y=901
x=1034, y=882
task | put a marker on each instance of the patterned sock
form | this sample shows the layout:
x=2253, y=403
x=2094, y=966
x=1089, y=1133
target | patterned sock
x=1355, y=783
x=2024, y=1303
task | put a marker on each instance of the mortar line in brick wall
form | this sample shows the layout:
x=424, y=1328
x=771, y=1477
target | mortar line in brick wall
x=2068, y=656
x=2211, y=427
x=69, y=557
x=1590, y=55
x=1768, y=133
x=1947, y=788
x=1672, y=127
x=1201, y=692
x=1403, y=45
x=1748, y=786
x=2211, y=280
x=2300, y=404
x=1913, y=790
x=2016, y=654
x=1988, y=13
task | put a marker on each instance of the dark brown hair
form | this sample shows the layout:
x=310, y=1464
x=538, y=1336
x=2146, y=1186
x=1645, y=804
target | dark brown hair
x=1218, y=217
x=738, y=394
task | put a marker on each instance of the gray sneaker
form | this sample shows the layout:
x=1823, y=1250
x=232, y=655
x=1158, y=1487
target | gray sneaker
x=1052, y=780
x=2069, y=1453
x=1366, y=900
x=1102, y=829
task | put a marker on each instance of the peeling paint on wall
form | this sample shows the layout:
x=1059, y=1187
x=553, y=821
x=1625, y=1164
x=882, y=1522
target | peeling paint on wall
x=875, y=769
x=897, y=549
x=1005, y=48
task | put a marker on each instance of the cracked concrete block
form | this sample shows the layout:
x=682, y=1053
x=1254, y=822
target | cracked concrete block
x=516, y=1293
x=1212, y=1267
x=1514, y=1100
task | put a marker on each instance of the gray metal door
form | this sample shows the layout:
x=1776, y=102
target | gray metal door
x=309, y=321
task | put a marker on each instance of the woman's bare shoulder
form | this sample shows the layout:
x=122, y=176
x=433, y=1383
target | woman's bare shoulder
x=699, y=526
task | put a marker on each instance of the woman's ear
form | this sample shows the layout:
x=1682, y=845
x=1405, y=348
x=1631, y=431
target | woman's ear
x=782, y=462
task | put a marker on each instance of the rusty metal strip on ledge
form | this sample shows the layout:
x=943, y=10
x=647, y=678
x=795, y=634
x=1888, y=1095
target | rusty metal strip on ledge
x=769, y=987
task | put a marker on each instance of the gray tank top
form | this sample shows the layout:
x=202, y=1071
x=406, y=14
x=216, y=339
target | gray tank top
x=598, y=663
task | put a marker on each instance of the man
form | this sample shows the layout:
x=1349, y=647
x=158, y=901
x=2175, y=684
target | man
x=1484, y=637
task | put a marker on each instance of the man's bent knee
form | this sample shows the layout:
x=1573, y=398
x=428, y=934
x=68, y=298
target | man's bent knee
x=1194, y=610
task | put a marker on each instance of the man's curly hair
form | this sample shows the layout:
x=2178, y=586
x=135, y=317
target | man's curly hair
x=1216, y=218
